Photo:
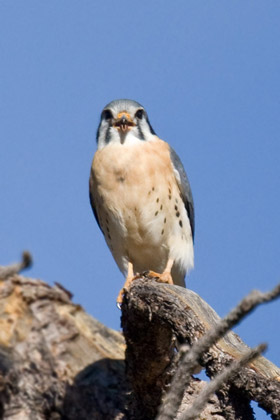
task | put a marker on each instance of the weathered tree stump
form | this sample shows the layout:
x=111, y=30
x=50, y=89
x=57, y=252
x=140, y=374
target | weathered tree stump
x=156, y=319
x=57, y=362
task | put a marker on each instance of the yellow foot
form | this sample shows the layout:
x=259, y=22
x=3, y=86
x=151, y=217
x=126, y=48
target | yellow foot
x=120, y=297
x=125, y=289
x=164, y=277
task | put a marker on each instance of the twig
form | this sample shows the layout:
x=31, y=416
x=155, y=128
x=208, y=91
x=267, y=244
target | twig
x=189, y=359
x=229, y=372
x=10, y=270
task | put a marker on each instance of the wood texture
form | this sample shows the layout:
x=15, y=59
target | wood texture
x=57, y=362
x=166, y=315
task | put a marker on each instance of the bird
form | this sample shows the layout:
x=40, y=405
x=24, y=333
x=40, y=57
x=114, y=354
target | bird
x=141, y=197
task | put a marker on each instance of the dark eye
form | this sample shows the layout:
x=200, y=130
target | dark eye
x=106, y=114
x=139, y=114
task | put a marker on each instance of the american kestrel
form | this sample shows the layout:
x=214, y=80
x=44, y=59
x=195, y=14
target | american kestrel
x=141, y=197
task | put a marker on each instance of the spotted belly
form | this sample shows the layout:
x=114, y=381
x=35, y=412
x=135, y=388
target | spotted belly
x=140, y=209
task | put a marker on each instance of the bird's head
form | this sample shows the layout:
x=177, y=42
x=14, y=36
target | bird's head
x=123, y=121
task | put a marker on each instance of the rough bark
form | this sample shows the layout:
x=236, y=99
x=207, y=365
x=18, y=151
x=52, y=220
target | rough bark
x=57, y=362
x=166, y=315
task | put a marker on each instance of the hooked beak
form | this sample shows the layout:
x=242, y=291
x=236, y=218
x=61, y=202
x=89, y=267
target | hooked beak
x=123, y=122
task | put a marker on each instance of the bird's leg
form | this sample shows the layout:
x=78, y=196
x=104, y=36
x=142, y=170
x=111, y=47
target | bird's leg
x=128, y=280
x=164, y=277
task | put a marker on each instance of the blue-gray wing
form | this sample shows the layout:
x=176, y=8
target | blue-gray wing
x=91, y=181
x=184, y=186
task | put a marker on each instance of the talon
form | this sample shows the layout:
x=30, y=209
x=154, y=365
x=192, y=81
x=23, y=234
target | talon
x=120, y=297
x=150, y=273
x=145, y=273
x=164, y=277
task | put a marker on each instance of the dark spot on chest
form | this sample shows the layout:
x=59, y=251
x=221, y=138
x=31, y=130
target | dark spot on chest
x=120, y=175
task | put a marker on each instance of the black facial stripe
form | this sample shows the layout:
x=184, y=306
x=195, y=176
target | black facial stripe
x=98, y=132
x=140, y=132
x=149, y=124
x=108, y=134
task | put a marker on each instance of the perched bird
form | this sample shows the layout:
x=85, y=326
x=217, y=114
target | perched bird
x=141, y=197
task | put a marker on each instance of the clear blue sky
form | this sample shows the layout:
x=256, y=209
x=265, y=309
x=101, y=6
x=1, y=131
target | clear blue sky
x=208, y=74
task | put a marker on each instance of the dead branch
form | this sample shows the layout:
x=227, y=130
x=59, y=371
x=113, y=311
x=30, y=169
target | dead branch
x=56, y=362
x=227, y=374
x=191, y=358
x=167, y=314
x=10, y=270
